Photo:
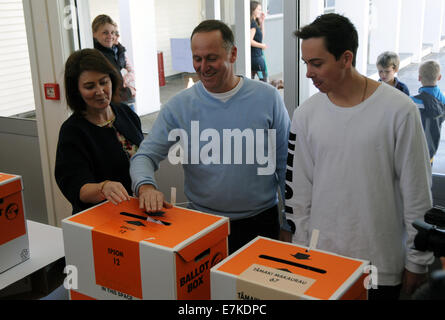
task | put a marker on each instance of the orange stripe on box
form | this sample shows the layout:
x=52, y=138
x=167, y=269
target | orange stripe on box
x=12, y=220
x=117, y=263
x=357, y=291
x=193, y=277
x=79, y=296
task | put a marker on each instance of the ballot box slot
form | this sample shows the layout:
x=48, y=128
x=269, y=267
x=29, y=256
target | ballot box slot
x=291, y=263
x=149, y=219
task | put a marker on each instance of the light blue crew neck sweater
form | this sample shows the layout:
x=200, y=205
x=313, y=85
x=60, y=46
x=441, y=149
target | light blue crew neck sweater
x=228, y=170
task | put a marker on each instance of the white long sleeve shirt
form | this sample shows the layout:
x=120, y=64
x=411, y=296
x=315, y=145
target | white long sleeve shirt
x=361, y=176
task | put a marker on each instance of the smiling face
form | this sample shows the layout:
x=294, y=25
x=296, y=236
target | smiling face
x=213, y=62
x=257, y=12
x=323, y=69
x=105, y=35
x=96, y=90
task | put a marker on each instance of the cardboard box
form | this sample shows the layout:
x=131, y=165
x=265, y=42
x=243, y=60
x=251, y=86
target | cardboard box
x=120, y=255
x=267, y=269
x=14, y=243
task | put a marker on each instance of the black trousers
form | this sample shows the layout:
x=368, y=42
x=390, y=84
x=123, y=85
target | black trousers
x=265, y=224
x=259, y=67
x=385, y=293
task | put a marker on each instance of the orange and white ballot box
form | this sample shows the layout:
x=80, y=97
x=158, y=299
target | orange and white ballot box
x=118, y=254
x=14, y=243
x=267, y=269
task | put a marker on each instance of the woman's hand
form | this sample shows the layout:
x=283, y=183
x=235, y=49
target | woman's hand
x=114, y=192
x=262, y=18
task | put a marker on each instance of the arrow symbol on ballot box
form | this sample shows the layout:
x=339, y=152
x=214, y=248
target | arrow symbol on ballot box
x=301, y=256
x=136, y=223
x=285, y=270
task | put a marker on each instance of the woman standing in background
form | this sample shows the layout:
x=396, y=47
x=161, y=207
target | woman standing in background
x=257, y=17
x=104, y=36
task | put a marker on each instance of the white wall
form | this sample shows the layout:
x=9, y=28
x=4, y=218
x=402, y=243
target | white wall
x=138, y=25
x=108, y=7
x=432, y=32
x=411, y=33
x=358, y=12
x=175, y=19
x=228, y=11
x=274, y=53
x=385, y=34
x=309, y=10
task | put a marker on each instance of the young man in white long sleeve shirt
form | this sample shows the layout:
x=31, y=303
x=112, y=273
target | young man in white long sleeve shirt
x=358, y=167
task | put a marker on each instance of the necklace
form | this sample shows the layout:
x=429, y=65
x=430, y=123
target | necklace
x=97, y=118
x=366, y=88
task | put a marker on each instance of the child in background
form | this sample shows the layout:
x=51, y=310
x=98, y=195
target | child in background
x=128, y=71
x=388, y=65
x=430, y=102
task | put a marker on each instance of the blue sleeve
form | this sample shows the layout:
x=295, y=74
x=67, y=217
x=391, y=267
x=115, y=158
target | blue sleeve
x=441, y=97
x=152, y=151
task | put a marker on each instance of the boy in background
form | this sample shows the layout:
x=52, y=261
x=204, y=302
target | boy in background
x=388, y=65
x=430, y=102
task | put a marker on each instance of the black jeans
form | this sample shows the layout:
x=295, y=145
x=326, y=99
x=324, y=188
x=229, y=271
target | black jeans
x=265, y=224
x=259, y=68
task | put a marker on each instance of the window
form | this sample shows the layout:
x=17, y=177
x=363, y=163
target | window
x=329, y=6
x=405, y=35
x=16, y=89
x=274, y=7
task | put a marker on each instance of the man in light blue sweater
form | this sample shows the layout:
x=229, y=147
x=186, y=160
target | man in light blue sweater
x=231, y=133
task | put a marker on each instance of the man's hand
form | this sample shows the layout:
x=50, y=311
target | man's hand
x=285, y=236
x=412, y=281
x=152, y=200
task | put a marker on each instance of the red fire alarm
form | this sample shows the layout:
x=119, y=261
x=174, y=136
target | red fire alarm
x=52, y=91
